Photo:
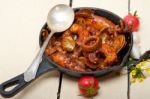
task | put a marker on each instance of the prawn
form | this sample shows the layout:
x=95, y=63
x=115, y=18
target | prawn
x=110, y=55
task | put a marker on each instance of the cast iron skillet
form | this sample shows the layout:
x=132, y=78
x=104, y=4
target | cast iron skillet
x=48, y=65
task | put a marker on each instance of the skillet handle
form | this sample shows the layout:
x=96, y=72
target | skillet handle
x=145, y=56
x=18, y=82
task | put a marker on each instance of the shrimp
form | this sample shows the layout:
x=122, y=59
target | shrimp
x=67, y=62
x=119, y=42
x=110, y=55
x=100, y=22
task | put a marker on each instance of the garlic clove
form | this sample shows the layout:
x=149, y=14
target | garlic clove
x=135, y=52
x=136, y=38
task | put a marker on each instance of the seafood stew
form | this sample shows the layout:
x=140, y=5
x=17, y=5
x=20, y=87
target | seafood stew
x=92, y=43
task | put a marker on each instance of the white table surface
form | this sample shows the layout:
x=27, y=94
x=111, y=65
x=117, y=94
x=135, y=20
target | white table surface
x=20, y=24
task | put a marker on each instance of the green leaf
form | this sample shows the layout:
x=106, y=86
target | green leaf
x=130, y=62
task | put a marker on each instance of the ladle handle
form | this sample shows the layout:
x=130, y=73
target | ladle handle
x=18, y=83
x=31, y=72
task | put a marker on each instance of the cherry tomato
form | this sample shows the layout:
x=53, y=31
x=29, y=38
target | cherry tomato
x=132, y=21
x=88, y=86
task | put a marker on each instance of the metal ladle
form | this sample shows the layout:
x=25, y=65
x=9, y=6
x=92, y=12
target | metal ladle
x=59, y=18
